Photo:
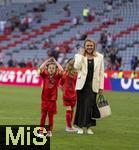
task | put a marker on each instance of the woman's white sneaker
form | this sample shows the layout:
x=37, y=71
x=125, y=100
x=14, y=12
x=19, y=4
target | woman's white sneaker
x=80, y=131
x=89, y=131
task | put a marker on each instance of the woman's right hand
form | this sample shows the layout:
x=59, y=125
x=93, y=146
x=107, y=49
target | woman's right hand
x=82, y=51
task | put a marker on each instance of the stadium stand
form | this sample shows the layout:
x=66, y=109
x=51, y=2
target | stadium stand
x=118, y=18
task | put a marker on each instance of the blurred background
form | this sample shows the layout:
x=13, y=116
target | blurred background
x=32, y=30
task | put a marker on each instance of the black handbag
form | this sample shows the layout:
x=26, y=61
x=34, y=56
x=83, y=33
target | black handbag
x=103, y=106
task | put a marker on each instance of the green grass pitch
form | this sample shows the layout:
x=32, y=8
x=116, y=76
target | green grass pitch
x=21, y=105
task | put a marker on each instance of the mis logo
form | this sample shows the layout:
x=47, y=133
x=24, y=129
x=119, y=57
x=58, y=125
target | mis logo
x=23, y=137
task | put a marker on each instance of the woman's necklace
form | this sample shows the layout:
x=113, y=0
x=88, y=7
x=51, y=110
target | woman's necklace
x=90, y=58
x=90, y=61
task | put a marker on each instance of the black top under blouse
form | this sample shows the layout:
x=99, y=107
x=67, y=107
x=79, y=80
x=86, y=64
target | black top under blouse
x=89, y=78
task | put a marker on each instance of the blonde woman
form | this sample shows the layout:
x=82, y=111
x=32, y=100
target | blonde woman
x=90, y=81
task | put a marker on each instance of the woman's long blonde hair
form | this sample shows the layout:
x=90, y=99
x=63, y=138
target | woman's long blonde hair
x=94, y=43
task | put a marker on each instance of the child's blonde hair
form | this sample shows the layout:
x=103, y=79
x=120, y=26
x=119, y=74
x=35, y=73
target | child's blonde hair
x=70, y=67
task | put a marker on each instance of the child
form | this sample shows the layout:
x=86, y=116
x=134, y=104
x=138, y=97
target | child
x=51, y=73
x=68, y=82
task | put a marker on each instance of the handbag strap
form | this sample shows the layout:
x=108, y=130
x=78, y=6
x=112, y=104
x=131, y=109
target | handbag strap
x=100, y=98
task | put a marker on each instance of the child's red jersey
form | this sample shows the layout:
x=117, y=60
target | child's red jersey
x=68, y=84
x=50, y=86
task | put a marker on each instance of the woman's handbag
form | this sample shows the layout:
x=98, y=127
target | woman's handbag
x=103, y=106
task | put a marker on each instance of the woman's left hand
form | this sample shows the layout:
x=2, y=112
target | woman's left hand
x=100, y=92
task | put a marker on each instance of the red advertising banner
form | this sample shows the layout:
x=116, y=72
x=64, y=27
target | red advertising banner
x=21, y=77
x=30, y=77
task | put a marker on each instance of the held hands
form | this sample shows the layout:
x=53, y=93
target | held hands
x=58, y=65
x=51, y=59
x=43, y=65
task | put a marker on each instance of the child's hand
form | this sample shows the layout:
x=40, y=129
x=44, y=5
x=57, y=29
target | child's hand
x=53, y=59
x=43, y=65
x=50, y=58
x=82, y=51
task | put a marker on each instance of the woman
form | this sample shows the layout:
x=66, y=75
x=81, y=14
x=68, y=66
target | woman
x=90, y=81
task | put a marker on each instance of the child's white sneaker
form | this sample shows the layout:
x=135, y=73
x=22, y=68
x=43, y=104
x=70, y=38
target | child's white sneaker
x=70, y=129
x=40, y=135
x=80, y=131
x=89, y=131
x=76, y=129
x=49, y=134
